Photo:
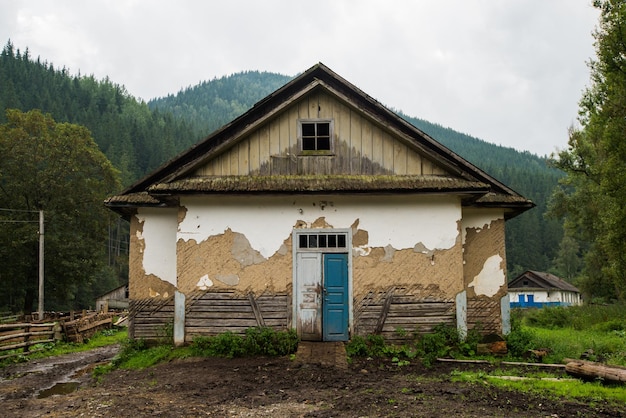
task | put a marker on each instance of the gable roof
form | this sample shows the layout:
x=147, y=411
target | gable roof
x=160, y=187
x=541, y=280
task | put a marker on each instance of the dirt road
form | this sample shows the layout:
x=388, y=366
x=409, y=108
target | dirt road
x=267, y=387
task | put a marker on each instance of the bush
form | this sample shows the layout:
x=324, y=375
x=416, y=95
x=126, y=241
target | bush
x=257, y=341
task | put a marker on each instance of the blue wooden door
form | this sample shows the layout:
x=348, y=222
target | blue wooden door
x=335, y=298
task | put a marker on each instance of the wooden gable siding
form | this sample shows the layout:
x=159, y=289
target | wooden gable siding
x=361, y=147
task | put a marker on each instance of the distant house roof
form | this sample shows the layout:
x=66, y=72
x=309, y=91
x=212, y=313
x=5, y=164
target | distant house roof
x=540, y=280
x=102, y=296
x=174, y=178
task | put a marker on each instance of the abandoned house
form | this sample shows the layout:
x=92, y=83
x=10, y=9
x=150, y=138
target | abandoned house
x=536, y=289
x=113, y=299
x=319, y=210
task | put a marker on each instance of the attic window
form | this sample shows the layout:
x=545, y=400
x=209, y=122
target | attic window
x=315, y=136
x=525, y=283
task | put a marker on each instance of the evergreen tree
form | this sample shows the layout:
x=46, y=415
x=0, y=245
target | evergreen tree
x=593, y=195
x=57, y=168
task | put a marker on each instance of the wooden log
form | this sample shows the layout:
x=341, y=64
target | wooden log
x=590, y=370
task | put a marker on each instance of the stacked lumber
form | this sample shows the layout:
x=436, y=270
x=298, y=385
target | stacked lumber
x=82, y=329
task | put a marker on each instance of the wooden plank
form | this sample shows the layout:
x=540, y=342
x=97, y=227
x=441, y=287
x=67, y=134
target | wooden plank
x=244, y=158
x=224, y=323
x=25, y=325
x=388, y=152
x=254, y=156
x=95, y=324
x=25, y=344
x=377, y=151
x=210, y=315
x=234, y=160
x=25, y=334
x=414, y=163
x=383, y=313
x=264, y=150
x=257, y=312
x=224, y=161
x=399, y=158
x=221, y=302
x=217, y=295
x=219, y=309
x=366, y=147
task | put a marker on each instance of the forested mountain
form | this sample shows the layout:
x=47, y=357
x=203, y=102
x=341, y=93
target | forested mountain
x=137, y=137
x=212, y=104
x=133, y=137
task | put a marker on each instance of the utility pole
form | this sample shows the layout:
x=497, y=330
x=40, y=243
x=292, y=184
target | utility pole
x=41, y=258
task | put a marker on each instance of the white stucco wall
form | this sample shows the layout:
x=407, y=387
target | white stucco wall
x=398, y=221
x=159, y=236
x=543, y=296
x=479, y=219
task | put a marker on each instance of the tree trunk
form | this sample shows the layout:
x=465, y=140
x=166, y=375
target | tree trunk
x=589, y=370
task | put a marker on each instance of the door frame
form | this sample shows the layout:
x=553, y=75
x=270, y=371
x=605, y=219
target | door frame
x=295, y=314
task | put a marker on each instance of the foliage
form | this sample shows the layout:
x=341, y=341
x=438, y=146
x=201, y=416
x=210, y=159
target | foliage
x=597, y=332
x=137, y=354
x=135, y=138
x=589, y=392
x=210, y=104
x=257, y=341
x=57, y=168
x=445, y=340
x=592, y=195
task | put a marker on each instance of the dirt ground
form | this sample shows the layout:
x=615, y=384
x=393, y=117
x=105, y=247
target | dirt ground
x=265, y=387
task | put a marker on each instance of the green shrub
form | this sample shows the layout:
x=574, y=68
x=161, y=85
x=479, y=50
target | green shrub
x=519, y=341
x=257, y=341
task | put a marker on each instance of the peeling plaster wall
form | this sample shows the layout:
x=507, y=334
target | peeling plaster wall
x=244, y=243
x=484, y=258
x=159, y=236
x=142, y=284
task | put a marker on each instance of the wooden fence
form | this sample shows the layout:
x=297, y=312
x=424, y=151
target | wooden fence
x=18, y=338
x=25, y=335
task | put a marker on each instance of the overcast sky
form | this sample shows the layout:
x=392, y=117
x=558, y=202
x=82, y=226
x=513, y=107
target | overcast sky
x=510, y=72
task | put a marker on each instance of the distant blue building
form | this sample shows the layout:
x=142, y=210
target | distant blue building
x=534, y=289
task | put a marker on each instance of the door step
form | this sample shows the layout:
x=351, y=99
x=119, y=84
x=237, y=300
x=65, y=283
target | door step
x=331, y=354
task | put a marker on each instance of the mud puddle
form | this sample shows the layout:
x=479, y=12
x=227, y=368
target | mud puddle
x=59, y=375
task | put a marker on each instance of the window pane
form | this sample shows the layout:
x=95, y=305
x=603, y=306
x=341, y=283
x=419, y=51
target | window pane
x=332, y=241
x=312, y=241
x=341, y=241
x=323, y=143
x=303, y=241
x=308, y=144
x=308, y=129
x=323, y=129
x=322, y=241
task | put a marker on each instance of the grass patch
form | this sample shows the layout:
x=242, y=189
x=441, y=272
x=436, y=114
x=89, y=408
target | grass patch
x=138, y=354
x=567, y=388
x=598, y=331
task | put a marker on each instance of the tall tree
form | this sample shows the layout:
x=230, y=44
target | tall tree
x=57, y=168
x=593, y=195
